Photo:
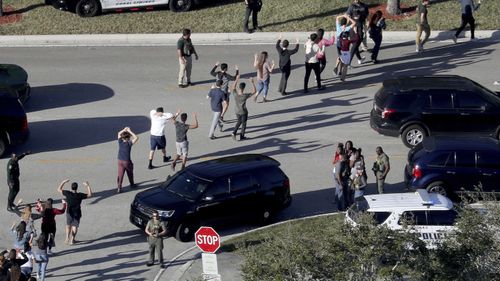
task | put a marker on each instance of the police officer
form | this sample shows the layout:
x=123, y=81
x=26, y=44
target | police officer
x=13, y=178
x=381, y=168
x=155, y=229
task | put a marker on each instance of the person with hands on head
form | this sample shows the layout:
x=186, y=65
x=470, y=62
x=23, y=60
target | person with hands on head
x=74, y=212
x=225, y=77
x=264, y=70
x=155, y=230
x=126, y=138
x=240, y=100
x=13, y=178
x=157, y=138
x=285, y=63
x=181, y=141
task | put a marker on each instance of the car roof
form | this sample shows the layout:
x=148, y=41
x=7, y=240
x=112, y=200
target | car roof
x=408, y=83
x=461, y=143
x=229, y=165
x=410, y=201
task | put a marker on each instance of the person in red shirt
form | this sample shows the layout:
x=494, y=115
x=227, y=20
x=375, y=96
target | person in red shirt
x=48, y=214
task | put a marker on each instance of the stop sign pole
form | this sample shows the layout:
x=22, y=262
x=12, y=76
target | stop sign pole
x=208, y=240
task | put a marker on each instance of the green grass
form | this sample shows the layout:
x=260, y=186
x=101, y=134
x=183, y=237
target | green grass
x=227, y=16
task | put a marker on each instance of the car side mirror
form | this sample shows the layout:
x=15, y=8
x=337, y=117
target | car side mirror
x=208, y=198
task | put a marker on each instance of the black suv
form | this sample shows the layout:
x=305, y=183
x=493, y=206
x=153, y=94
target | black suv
x=420, y=106
x=214, y=191
x=450, y=165
x=13, y=121
x=14, y=79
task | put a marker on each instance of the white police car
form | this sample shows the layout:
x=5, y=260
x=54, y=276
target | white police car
x=90, y=8
x=432, y=214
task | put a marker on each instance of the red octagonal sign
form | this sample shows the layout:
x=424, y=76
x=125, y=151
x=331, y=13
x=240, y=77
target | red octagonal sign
x=207, y=239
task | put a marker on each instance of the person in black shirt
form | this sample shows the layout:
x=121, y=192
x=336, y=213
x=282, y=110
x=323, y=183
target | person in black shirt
x=13, y=178
x=74, y=211
x=185, y=50
x=252, y=7
x=285, y=62
x=359, y=11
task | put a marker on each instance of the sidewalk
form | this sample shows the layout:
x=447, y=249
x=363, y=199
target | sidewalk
x=259, y=38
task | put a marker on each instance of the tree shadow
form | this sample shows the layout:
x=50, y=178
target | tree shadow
x=56, y=135
x=54, y=96
x=104, y=194
x=24, y=9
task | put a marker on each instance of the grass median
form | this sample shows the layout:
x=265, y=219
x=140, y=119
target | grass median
x=33, y=17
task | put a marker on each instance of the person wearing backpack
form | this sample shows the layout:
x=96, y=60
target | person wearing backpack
x=346, y=40
x=343, y=24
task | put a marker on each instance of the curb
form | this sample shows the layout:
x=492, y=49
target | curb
x=259, y=38
x=194, y=251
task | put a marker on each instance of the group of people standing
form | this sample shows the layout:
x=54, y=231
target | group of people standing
x=32, y=247
x=349, y=173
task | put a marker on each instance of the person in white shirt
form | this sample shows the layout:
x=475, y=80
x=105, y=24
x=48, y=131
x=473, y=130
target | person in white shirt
x=157, y=139
x=312, y=62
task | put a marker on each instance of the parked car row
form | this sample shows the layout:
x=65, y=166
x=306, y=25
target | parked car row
x=451, y=124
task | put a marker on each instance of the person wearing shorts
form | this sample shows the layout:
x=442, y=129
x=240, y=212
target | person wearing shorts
x=74, y=211
x=181, y=142
x=157, y=139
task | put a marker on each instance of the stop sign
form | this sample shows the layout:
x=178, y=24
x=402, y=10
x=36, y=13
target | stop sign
x=207, y=239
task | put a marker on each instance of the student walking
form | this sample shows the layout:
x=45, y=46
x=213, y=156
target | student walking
x=181, y=141
x=217, y=103
x=40, y=251
x=13, y=178
x=225, y=77
x=74, y=213
x=157, y=139
x=322, y=43
x=345, y=55
x=422, y=25
x=342, y=181
x=285, y=62
x=264, y=70
x=343, y=24
x=359, y=10
x=376, y=25
x=240, y=102
x=185, y=50
x=312, y=62
x=49, y=213
x=155, y=230
x=468, y=7
x=381, y=168
x=126, y=138
x=252, y=7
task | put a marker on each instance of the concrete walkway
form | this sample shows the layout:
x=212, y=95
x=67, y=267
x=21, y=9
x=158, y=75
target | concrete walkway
x=207, y=38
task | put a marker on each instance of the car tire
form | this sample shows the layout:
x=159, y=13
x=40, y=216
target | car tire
x=180, y=5
x=413, y=135
x=185, y=231
x=438, y=187
x=3, y=145
x=88, y=8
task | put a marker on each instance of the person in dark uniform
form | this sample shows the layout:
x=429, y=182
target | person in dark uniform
x=13, y=178
x=155, y=229
x=252, y=7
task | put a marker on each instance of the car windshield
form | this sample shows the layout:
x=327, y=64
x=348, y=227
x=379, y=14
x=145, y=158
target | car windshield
x=186, y=185
x=361, y=206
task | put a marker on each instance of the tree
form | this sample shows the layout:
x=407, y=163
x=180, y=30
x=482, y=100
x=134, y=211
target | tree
x=393, y=7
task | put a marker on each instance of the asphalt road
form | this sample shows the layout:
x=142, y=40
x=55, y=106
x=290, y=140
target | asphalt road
x=83, y=96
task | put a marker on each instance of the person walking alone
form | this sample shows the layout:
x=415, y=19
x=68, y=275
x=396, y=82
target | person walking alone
x=376, y=25
x=381, y=168
x=217, y=103
x=312, y=62
x=264, y=70
x=252, y=7
x=468, y=8
x=126, y=138
x=13, y=178
x=181, y=141
x=422, y=25
x=74, y=212
x=285, y=63
x=157, y=139
x=155, y=230
x=240, y=102
x=185, y=50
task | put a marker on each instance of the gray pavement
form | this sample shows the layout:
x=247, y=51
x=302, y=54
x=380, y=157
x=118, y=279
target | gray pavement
x=83, y=95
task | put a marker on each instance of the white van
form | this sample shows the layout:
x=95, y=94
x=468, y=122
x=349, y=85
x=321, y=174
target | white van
x=90, y=8
x=433, y=215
